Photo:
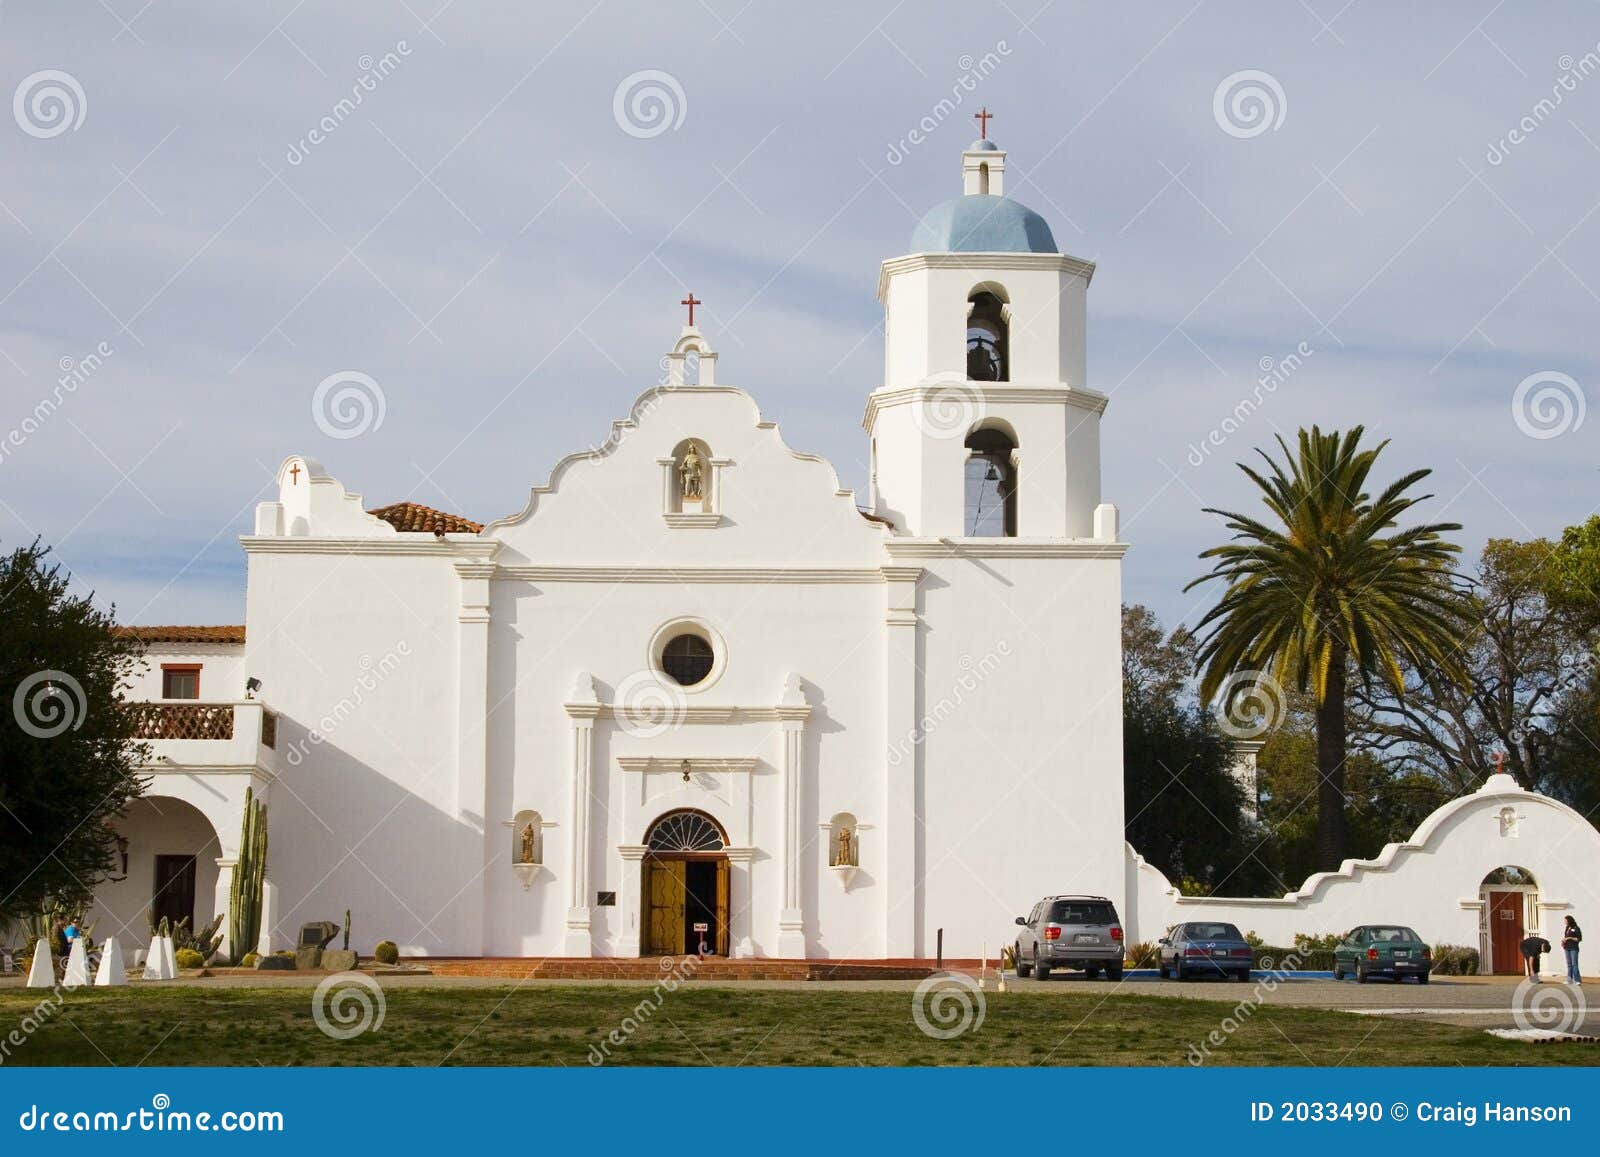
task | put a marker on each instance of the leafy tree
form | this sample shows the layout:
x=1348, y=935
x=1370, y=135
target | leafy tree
x=1324, y=590
x=66, y=744
x=1385, y=804
x=1573, y=581
x=1187, y=814
x=1523, y=647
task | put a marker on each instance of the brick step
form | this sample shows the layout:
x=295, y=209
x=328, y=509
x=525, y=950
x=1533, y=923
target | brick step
x=684, y=968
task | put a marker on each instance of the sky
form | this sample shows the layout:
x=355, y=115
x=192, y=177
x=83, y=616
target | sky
x=1394, y=209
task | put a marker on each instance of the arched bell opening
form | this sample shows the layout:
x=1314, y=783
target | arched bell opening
x=988, y=337
x=990, y=485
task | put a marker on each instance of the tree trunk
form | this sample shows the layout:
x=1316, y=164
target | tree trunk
x=1331, y=742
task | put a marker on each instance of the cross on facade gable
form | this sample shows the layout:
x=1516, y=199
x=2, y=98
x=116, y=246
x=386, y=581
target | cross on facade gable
x=982, y=116
x=691, y=302
x=294, y=474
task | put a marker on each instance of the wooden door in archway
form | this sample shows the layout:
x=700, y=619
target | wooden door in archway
x=682, y=893
x=1506, y=931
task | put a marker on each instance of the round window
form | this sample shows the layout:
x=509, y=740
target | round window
x=688, y=659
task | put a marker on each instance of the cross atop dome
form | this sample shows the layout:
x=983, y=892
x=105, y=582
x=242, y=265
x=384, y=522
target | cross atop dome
x=983, y=116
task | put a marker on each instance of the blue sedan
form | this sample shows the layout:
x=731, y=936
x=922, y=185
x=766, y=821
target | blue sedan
x=1205, y=949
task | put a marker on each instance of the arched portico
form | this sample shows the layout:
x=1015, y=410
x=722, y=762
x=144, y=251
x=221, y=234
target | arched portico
x=174, y=855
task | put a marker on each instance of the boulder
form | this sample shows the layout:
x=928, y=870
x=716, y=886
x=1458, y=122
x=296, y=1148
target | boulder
x=339, y=959
x=307, y=959
x=275, y=964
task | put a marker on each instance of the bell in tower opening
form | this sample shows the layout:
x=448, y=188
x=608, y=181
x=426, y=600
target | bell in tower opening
x=986, y=338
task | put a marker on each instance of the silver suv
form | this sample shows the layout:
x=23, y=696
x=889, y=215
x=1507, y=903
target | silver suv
x=1070, y=932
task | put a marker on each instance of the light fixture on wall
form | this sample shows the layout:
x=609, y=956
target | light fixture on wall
x=122, y=851
x=685, y=767
x=251, y=686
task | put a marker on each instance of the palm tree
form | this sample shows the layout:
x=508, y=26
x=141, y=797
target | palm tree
x=1325, y=589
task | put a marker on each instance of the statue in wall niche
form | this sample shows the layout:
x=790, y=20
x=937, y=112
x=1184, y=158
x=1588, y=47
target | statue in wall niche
x=529, y=839
x=692, y=474
x=846, y=852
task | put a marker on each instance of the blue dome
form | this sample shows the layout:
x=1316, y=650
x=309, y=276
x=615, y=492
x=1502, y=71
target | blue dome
x=983, y=145
x=980, y=223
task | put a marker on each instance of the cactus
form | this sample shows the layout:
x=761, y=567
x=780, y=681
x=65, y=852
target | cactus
x=249, y=874
x=346, y=930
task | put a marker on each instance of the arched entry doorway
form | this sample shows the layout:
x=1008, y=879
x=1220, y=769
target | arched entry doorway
x=1510, y=898
x=685, y=885
x=171, y=870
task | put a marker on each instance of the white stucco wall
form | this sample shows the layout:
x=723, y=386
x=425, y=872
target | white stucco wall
x=1431, y=882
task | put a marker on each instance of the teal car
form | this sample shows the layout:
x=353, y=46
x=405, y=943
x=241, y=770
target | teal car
x=1382, y=950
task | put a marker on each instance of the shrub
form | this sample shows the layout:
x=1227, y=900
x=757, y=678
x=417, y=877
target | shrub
x=386, y=952
x=1454, y=960
x=1140, y=955
x=250, y=959
x=188, y=958
x=1304, y=942
x=1296, y=959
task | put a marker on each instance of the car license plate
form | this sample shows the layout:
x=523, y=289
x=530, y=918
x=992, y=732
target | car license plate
x=1219, y=952
x=1401, y=953
x=1086, y=938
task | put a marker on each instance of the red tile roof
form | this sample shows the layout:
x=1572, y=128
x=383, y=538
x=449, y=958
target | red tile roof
x=412, y=516
x=185, y=634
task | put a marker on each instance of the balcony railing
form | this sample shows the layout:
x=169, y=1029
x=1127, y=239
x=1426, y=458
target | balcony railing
x=183, y=720
x=190, y=734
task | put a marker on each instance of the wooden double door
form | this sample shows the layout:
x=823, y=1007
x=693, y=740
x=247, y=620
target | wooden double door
x=685, y=905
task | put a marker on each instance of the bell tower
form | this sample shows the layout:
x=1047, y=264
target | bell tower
x=984, y=425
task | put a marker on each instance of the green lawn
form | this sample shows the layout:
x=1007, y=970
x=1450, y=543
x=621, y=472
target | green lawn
x=721, y=1026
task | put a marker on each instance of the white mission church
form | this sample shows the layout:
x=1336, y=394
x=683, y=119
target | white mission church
x=693, y=692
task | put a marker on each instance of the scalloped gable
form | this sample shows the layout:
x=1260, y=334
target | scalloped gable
x=314, y=504
x=608, y=504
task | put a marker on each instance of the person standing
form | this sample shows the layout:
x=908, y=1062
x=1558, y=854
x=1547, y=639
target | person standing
x=1571, y=937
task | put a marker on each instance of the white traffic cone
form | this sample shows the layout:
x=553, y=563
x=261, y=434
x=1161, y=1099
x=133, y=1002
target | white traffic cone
x=77, y=965
x=169, y=959
x=42, y=972
x=111, y=972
